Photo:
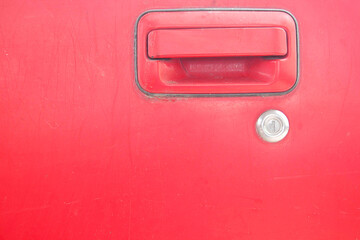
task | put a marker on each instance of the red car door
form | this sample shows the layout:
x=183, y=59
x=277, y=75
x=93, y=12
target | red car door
x=108, y=131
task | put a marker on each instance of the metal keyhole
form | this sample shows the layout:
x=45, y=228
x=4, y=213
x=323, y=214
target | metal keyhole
x=272, y=126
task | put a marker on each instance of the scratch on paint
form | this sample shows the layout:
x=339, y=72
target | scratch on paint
x=307, y=176
x=72, y=202
x=292, y=177
x=25, y=210
x=130, y=213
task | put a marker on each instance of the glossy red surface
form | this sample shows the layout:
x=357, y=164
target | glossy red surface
x=231, y=38
x=85, y=155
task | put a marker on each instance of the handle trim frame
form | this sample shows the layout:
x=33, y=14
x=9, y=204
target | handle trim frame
x=197, y=95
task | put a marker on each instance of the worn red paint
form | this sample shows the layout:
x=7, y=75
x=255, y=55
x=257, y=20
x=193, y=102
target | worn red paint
x=85, y=155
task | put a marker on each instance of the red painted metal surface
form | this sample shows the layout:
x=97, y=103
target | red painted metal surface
x=85, y=155
x=225, y=56
x=216, y=42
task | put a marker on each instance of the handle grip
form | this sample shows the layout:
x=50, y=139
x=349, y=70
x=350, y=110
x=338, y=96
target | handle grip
x=217, y=42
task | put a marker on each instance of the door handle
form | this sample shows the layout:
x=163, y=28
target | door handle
x=217, y=42
x=192, y=53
